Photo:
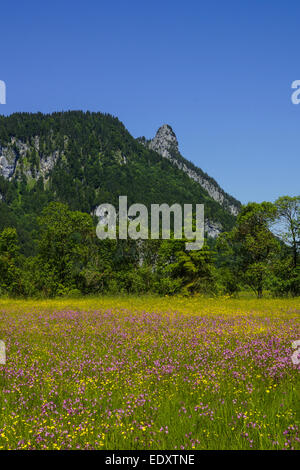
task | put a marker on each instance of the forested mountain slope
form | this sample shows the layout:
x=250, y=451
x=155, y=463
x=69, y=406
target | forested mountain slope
x=85, y=159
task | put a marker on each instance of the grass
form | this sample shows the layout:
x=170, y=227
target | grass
x=149, y=373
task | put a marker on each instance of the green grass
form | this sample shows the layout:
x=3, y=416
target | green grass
x=149, y=373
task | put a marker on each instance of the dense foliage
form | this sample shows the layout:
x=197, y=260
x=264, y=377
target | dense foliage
x=95, y=160
x=65, y=164
x=71, y=259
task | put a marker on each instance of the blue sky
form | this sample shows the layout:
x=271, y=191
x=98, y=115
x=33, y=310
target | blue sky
x=218, y=72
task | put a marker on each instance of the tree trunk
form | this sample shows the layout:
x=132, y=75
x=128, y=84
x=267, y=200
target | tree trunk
x=260, y=292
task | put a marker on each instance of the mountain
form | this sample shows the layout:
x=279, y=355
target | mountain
x=86, y=159
x=166, y=144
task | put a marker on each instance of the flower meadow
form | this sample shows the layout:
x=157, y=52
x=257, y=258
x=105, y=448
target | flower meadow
x=149, y=373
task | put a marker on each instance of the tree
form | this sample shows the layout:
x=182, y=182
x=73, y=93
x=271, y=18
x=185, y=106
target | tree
x=192, y=270
x=196, y=269
x=288, y=229
x=254, y=243
x=67, y=242
x=10, y=278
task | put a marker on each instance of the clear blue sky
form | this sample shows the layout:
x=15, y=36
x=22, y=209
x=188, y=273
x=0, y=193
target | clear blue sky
x=219, y=72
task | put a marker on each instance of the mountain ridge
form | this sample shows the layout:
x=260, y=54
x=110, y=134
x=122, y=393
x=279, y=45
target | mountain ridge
x=86, y=159
x=166, y=144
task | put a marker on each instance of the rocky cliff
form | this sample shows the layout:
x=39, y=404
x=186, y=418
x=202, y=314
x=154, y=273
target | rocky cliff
x=15, y=156
x=166, y=144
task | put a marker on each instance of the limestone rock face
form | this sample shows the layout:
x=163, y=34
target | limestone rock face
x=10, y=155
x=165, y=143
x=47, y=163
x=8, y=159
x=212, y=229
x=13, y=155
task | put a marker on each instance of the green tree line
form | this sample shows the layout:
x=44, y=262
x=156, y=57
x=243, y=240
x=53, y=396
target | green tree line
x=260, y=253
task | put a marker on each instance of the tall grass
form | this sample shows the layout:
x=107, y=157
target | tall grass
x=149, y=373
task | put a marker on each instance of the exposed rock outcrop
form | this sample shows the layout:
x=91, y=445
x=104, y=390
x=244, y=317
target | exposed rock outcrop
x=165, y=143
x=212, y=229
x=14, y=156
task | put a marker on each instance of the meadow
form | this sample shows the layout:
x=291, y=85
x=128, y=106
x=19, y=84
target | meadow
x=149, y=373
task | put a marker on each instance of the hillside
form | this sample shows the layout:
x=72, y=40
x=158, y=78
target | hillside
x=85, y=159
x=166, y=144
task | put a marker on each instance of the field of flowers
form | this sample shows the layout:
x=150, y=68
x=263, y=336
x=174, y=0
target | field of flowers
x=149, y=373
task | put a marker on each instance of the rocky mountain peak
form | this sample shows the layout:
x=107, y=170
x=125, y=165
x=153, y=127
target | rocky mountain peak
x=165, y=141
